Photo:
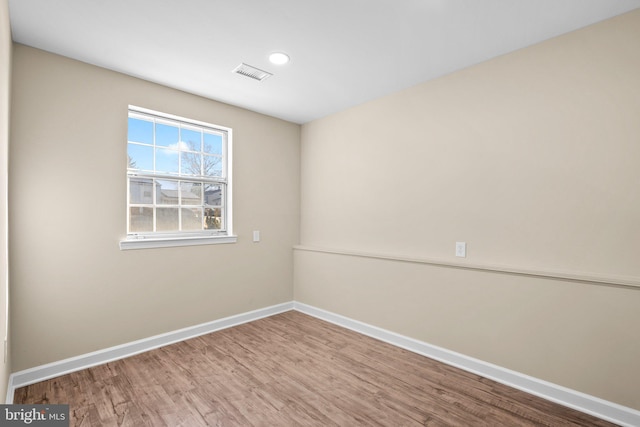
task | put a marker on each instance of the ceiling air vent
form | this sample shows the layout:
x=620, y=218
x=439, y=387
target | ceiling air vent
x=252, y=72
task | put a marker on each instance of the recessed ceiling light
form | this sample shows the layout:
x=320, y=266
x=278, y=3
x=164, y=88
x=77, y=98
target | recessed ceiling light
x=279, y=58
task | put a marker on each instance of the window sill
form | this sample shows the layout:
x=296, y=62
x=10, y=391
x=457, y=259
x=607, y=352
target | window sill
x=167, y=242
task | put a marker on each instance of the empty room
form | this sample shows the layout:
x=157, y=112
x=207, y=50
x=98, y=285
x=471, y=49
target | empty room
x=320, y=213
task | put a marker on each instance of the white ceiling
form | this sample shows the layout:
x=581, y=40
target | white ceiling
x=343, y=52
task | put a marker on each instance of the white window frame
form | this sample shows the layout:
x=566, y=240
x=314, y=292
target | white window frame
x=184, y=238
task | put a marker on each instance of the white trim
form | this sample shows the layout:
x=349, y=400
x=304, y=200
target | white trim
x=622, y=415
x=582, y=402
x=151, y=243
x=598, y=279
x=146, y=112
x=62, y=367
x=228, y=193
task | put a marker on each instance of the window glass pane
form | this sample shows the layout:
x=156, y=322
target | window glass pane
x=191, y=193
x=166, y=160
x=140, y=191
x=212, y=219
x=167, y=192
x=140, y=220
x=192, y=219
x=212, y=195
x=140, y=131
x=191, y=139
x=167, y=219
x=166, y=136
x=140, y=157
x=169, y=162
x=212, y=143
x=191, y=163
x=212, y=166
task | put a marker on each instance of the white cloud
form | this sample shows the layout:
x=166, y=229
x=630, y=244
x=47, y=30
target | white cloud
x=173, y=149
x=180, y=145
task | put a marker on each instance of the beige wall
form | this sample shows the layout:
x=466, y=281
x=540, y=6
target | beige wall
x=5, y=83
x=532, y=159
x=73, y=290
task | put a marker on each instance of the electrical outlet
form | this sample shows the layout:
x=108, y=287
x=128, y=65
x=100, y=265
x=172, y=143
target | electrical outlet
x=256, y=236
x=461, y=249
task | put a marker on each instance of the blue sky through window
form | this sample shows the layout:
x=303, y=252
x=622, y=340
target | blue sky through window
x=166, y=136
x=212, y=143
x=171, y=142
x=140, y=131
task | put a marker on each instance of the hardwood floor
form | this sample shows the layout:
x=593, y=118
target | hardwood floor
x=291, y=370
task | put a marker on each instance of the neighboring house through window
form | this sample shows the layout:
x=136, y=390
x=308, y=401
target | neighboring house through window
x=178, y=181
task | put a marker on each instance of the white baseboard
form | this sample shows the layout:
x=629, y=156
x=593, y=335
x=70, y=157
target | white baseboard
x=600, y=408
x=595, y=406
x=55, y=369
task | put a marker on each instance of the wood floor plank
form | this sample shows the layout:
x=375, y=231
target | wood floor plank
x=291, y=370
